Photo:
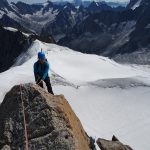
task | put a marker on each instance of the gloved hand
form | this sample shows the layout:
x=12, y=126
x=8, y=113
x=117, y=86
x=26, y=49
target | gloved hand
x=39, y=80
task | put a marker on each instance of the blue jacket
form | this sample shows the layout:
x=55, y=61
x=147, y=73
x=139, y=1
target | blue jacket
x=41, y=70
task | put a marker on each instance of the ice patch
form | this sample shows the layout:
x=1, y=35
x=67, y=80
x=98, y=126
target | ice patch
x=11, y=29
x=136, y=5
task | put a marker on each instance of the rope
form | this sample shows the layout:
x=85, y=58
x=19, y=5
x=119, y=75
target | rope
x=24, y=119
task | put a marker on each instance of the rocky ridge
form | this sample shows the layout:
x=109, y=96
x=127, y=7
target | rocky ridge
x=51, y=122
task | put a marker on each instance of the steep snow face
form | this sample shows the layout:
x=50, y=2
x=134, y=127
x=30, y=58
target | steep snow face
x=77, y=67
x=109, y=98
x=1, y=13
x=136, y=5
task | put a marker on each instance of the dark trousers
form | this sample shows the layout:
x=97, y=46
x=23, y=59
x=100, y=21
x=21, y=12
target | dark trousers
x=48, y=84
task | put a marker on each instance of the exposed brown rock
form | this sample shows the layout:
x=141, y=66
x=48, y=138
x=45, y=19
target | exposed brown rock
x=51, y=122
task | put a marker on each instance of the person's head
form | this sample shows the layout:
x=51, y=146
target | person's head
x=41, y=57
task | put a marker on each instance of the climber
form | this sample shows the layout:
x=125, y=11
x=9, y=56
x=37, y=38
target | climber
x=41, y=68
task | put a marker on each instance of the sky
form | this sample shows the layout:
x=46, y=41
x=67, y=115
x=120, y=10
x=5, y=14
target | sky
x=40, y=1
x=28, y=1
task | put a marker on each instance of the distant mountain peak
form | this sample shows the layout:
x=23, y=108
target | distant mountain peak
x=99, y=6
x=47, y=3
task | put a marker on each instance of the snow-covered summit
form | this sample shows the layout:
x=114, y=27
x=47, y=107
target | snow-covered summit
x=85, y=67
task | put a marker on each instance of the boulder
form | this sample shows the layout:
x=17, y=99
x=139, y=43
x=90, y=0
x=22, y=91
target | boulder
x=115, y=144
x=51, y=122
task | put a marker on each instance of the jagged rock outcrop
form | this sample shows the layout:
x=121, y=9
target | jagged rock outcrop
x=51, y=123
x=115, y=144
x=12, y=44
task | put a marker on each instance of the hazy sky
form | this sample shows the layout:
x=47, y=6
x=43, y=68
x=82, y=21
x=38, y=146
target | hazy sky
x=28, y=1
x=39, y=1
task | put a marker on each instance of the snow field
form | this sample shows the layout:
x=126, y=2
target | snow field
x=109, y=98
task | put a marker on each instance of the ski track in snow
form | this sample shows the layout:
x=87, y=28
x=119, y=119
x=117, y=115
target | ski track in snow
x=109, y=98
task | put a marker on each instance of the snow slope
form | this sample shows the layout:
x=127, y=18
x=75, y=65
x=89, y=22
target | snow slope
x=137, y=4
x=109, y=98
x=35, y=21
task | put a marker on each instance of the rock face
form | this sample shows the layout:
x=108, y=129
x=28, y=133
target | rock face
x=12, y=44
x=51, y=123
x=115, y=144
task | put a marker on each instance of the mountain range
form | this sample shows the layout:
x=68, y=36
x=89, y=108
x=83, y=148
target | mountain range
x=37, y=17
x=115, y=32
